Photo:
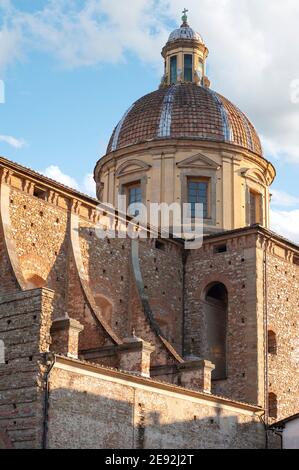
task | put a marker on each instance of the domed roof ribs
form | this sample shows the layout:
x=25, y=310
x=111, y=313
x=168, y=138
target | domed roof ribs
x=227, y=130
x=118, y=129
x=185, y=111
x=247, y=129
x=165, y=119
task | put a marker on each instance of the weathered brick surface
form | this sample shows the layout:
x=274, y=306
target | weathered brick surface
x=39, y=231
x=82, y=404
x=262, y=282
x=236, y=269
x=162, y=273
x=112, y=290
x=25, y=320
x=283, y=320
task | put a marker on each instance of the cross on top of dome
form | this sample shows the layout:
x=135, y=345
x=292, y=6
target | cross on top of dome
x=185, y=17
x=185, y=32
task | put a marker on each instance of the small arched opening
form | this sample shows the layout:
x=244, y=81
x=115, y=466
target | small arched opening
x=272, y=342
x=272, y=405
x=215, y=314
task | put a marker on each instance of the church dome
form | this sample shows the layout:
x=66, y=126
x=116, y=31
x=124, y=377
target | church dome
x=185, y=32
x=185, y=111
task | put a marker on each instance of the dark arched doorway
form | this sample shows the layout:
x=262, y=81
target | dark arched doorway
x=215, y=314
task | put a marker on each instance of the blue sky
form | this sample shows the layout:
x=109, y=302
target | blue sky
x=66, y=116
x=72, y=68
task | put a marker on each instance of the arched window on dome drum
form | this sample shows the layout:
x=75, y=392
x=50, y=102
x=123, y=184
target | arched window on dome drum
x=173, y=69
x=215, y=316
x=188, y=67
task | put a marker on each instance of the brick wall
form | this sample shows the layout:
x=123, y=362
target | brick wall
x=237, y=270
x=97, y=283
x=25, y=320
x=83, y=400
x=39, y=235
x=283, y=320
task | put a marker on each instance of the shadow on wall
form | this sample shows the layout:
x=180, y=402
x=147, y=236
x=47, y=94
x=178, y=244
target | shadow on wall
x=5, y=442
x=39, y=271
x=85, y=420
x=215, y=308
x=108, y=271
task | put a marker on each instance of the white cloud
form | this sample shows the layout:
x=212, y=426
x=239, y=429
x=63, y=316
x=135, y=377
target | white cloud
x=55, y=173
x=9, y=47
x=286, y=223
x=87, y=186
x=253, y=48
x=12, y=141
x=86, y=33
x=281, y=198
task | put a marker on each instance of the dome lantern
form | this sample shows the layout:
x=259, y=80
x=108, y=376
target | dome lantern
x=185, y=57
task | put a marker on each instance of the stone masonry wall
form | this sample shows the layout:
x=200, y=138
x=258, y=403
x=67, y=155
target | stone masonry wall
x=283, y=320
x=236, y=269
x=107, y=264
x=260, y=274
x=83, y=402
x=40, y=236
x=25, y=320
x=162, y=272
x=40, y=233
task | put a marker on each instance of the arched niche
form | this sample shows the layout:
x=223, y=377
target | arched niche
x=36, y=271
x=34, y=281
x=215, y=317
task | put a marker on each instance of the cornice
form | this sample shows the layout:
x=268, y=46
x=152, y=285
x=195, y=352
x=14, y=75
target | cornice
x=226, y=149
x=185, y=44
x=84, y=366
x=265, y=239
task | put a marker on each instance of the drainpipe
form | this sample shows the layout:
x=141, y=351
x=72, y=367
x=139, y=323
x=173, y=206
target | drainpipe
x=266, y=387
x=184, y=260
x=279, y=433
x=52, y=358
x=261, y=418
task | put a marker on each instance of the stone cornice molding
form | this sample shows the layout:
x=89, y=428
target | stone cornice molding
x=7, y=235
x=232, y=151
x=124, y=168
x=199, y=161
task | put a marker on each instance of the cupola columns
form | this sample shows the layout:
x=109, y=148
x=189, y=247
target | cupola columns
x=185, y=57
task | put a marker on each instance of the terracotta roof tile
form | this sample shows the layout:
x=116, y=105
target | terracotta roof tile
x=185, y=111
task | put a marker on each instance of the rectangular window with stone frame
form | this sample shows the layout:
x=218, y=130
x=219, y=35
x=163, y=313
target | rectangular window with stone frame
x=133, y=194
x=199, y=193
x=256, y=215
